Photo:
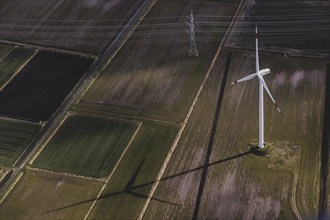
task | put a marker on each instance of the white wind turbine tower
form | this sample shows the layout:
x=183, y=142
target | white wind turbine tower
x=262, y=85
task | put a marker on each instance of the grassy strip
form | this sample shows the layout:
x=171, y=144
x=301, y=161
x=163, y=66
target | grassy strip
x=128, y=188
x=40, y=195
x=15, y=136
x=86, y=146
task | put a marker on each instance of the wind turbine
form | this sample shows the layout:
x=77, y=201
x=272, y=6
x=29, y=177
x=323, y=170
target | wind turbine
x=262, y=86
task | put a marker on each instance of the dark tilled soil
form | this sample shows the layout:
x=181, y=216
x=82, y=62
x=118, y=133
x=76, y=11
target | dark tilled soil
x=86, y=25
x=39, y=89
x=284, y=25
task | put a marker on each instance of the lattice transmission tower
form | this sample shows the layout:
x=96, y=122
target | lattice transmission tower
x=192, y=52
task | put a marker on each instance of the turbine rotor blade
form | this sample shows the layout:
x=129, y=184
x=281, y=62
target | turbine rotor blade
x=270, y=95
x=251, y=76
x=257, y=52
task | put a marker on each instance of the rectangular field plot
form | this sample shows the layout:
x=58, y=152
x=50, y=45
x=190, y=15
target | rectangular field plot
x=86, y=146
x=12, y=63
x=41, y=86
x=151, y=75
x=15, y=136
x=40, y=195
x=130, y=184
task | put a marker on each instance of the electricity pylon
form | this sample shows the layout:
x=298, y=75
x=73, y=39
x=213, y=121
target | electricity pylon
x=192, y=52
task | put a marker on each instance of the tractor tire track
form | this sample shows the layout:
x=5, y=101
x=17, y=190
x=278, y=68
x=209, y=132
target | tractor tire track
x=211, y=140
x=325, y=153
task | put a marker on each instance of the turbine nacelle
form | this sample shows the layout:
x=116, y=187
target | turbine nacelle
x=260, y=75
x=251, y=76
x=264, y=72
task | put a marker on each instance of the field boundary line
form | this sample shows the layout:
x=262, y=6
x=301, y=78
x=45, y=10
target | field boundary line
x=11, y=186
x=66, y=174
x=293, y=197
x=192, y=107
x=48, y=48
x=112, y=172
x=103, y=117
x=20, y=120
x=83, y=110
x=68, y=114
x=19, y=69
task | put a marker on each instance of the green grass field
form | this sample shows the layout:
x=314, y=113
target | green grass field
x=86, y=146
x=15, y=136
x=4, y=49
x=130, y=184
x=151, y=75
x=40, y=195
x=12, y=62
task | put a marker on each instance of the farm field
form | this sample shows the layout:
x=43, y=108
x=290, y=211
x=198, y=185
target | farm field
x=86, y=146
x=239, y=184
x=183, y=174
x=40, y=87
x=12, y=62
x=152, y=134
x=86, y=26
x=296, y=27
x=299, y=87
x=15, y=14
x=151, y=75
x=129, y=186
x=15, y=136
x=47, y=192
x=4, y=50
